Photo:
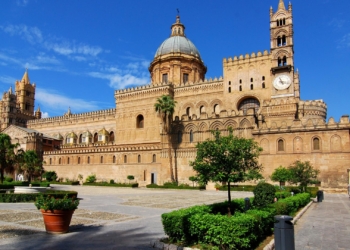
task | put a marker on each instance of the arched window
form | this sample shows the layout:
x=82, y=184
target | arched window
x=251, y=86
x=263, y=78
x=154, y=158
x=284, y=21
x=139, y=158
x=179, y=137
x=96, y=137
x=59, y=161
x=279, y=62
x=251, y=79
x=316, y=143
x=188, y=111
x=191, y=136
x=240, y=87
x=185, y=78
x=80, y=138
x=125, y=158
x=68, y=160
x=279, y=41
x=263, y=85
x=284, y=61
x=78, y=160
x=240, y=80
x=229, y=82
x=284, y=40
x=217, y=109
x=113, y=158
x=101, y=159
x=202, y=109
x=139, y=121
x=88, y=160
x=280, y=145
x=248, y=104
x=229, y=89
x=111, y=136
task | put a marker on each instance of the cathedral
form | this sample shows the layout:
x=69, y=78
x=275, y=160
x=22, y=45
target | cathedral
x=258, y=96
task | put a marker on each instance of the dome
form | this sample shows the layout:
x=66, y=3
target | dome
x=177, y=44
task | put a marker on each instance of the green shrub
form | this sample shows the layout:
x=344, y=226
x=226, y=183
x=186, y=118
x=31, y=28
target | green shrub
x=106, y=184
x=11, y=198
x=237, y=205
x=153, y=185
x=249, y=188
x=91, y=178
x=50, y=175
x=264, y=194
x=111, y=182
x=174, y=185
x=8, y=179
x=176, y=223
x=282, y=195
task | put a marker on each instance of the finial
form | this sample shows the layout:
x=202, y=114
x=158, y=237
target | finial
x=281, y=5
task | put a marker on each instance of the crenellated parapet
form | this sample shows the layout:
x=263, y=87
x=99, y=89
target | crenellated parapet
x=142, y=92
x=312, y=109
x=73, y=117
x=280, y=107
x=305, y=125
x=201, y=87
x=237, y=60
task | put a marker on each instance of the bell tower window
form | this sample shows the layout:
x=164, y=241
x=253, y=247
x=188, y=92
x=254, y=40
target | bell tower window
x=284, y=61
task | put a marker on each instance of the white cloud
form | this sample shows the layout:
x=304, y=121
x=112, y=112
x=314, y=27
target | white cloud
x=59, y=102
x=70, y=48
x=22, y=3
x=118, y=81
x=345, y=41
x=7, y=79
x=44, y=115
x=31, y=34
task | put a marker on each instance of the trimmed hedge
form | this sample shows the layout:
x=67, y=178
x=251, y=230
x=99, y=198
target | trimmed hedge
x=11, y=185
x=209, y=224
x=173, y=186
x=11, y=198
x=73, y=183
x=106, y=184
x=249, y=188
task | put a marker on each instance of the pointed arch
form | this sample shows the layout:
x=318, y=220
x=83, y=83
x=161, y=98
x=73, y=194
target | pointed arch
x=298, y=144
x=216, y=125
x=245, y=123
x=230, y=123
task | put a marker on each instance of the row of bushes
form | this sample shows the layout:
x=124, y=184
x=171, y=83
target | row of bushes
x=31, y=197
x=244, y=230
x=174, y=185
x=11, y=185
x=134, y=185
x=66, y=182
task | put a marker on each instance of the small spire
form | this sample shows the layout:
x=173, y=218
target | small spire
x=25, y=78
x=281, y=5
x=10, y=90
x=38, y=109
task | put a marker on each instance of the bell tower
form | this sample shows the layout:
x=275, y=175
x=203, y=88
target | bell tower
x=281, y=36
x=285, y=80
x=25, y=92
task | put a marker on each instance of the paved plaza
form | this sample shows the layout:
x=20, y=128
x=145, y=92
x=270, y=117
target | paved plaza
x=125, y=218
x=107, y=218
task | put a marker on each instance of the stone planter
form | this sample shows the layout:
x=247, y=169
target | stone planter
x=57, y=221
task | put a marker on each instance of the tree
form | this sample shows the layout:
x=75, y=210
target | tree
x=226, y=159
x=130, y=178
x=7, y=155
x=302, y=173
x=165, y=107
x=280, y=174
x=32, y=164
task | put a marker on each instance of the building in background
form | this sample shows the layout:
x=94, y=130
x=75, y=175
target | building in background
x=258, y=95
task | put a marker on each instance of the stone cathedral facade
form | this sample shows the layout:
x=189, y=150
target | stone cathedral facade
x=258, y=96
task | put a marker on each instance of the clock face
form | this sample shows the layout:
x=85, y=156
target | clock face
x=282, y=82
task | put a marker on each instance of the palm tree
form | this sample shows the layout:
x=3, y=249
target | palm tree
x=165, y=107
x=7, y=155
x=32, y=164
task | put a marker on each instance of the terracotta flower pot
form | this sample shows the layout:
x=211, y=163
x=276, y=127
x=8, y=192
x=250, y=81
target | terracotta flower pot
x=57, y=222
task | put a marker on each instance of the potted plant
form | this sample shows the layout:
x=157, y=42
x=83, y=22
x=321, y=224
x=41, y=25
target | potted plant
x=57, y=213
x=217, y=186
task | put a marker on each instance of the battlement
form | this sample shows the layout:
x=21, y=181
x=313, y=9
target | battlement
x=243, y=59
x=98, y=113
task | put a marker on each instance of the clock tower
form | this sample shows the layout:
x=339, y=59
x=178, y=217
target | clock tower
x=285, y=82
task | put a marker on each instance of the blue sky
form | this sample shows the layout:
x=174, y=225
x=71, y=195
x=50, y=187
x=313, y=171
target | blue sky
x=79, y=52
